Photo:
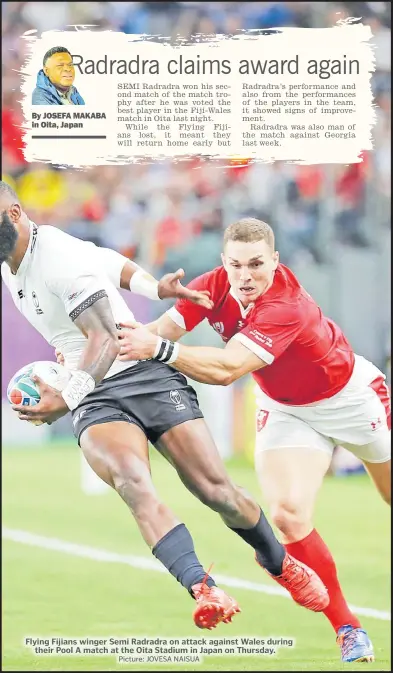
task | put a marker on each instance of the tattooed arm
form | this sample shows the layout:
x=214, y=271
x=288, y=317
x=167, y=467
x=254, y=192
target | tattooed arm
x=95, y=320
x=98, y=326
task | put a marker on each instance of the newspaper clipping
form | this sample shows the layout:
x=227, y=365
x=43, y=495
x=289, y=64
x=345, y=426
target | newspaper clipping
x=293, y=94
x=196, y=343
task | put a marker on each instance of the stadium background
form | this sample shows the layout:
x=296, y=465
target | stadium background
x=332, y=225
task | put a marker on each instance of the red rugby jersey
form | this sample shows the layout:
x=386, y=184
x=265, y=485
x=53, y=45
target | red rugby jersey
x=308, y=355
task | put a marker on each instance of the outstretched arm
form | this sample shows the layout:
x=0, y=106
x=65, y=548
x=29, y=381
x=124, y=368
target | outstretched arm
x=163, y=327
x=217, y=366
x=128, y=275
x=220, y=366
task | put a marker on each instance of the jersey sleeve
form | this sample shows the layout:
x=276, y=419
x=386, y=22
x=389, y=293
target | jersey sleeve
x=111, y=263
x=186, y=314
x=271, y=332
x=77, y=282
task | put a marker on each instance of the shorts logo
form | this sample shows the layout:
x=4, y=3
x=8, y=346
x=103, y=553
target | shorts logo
x=376, y=424
x=219, y=327
x=78, y=417
x=262, y=417
x=176, y=399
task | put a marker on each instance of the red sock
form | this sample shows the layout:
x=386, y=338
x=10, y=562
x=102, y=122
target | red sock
x=315, y=554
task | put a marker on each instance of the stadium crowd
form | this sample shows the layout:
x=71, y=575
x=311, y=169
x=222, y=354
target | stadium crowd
x=166, y=213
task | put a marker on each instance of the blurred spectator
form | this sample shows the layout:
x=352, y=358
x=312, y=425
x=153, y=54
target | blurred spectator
x=164, y=212
x=12, y=144
x=202, y=251
x=350, y=191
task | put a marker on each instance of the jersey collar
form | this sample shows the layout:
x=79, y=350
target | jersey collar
x=29, y=250
x=244, y=311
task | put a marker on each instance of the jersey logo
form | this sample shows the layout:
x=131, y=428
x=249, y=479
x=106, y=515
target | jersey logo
x=34, y=238
x=176, y=399
x=74, y=295
x=262, y=338
x=240, y=324
x=219, y=327
x=38, y=310
x=262, y=417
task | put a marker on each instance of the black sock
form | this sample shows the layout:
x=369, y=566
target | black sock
x=176, y=552
x=270, y=552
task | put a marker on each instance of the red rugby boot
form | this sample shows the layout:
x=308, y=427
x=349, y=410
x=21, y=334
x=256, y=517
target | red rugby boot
x=304, y=585
x=213, y=606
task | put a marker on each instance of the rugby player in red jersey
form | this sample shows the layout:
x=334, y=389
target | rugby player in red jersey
x=313, y=393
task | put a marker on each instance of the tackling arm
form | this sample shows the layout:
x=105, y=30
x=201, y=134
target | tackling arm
x=217, y=366
x=207, y=365
x=163, y=327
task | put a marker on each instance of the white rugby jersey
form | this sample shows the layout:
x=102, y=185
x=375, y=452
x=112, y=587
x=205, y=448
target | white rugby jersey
x=60, y=275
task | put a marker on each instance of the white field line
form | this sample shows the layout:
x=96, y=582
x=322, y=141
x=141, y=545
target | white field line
x=145, y=563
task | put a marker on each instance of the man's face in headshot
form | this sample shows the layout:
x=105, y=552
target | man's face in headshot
x=60, y=70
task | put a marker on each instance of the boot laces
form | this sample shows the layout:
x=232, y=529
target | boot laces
x=299, y=577
x=347, y=641
x=204, y=588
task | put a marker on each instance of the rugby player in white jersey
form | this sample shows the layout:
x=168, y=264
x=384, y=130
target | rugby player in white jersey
x=59, y=284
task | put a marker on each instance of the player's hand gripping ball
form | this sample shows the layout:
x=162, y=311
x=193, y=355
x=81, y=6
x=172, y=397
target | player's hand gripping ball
x=23, y=390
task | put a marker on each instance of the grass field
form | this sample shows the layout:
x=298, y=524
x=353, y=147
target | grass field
x=48, y=592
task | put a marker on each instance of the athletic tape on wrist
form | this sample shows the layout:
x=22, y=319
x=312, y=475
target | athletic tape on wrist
x=166, y=351
x=143, y=283
x=79, y=385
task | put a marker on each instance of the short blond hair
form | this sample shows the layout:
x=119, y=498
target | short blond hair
x=249, y=230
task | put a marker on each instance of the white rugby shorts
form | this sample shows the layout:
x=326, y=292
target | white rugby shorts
x=357, y=418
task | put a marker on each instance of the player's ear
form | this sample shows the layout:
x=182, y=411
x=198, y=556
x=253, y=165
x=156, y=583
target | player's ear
x=15, y=212
x=276, y=259
x=223, y=260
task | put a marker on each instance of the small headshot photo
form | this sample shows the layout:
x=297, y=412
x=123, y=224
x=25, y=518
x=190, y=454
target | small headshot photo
x=55, y=82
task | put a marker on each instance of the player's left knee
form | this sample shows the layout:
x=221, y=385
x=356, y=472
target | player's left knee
x=291, y=517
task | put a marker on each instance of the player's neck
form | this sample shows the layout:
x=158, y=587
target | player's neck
x=21, y=246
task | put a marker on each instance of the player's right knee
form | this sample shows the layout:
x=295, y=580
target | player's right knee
x=219, y=495
x=136, y=490
x=291, y=518
x=132, y=481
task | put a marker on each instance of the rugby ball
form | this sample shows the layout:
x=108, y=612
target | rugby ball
x=23, y=390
